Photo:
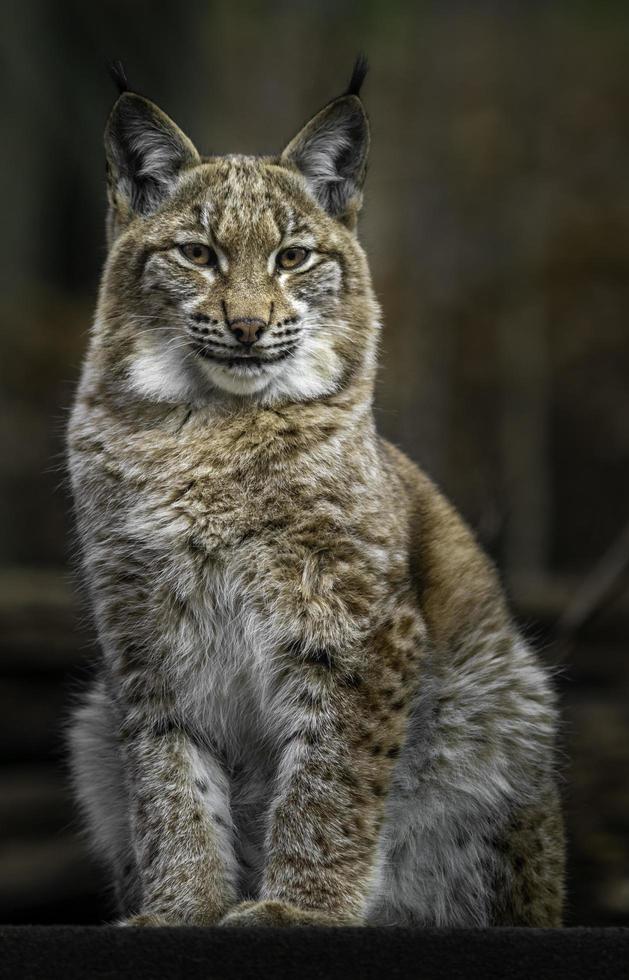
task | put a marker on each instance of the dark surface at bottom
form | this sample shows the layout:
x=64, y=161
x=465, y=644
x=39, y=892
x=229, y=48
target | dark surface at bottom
x=325, y=954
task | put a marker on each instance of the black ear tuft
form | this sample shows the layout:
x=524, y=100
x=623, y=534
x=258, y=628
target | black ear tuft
x=331, y=151
x=119, y=76
x=361, y=67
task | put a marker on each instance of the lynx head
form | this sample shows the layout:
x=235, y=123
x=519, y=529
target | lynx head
x=236, y=276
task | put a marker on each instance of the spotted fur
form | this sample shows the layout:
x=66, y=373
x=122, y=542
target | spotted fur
x=313, y=706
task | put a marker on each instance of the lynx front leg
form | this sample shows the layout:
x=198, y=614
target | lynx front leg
x=181, y=828
x=347, y=731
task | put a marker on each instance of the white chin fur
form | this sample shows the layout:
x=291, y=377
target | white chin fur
x=237, y=381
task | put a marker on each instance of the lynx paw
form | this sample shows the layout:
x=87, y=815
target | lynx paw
x=269, y=913
x=147, y=919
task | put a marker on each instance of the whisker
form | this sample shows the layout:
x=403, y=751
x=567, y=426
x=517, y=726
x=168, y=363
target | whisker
x=139, y=316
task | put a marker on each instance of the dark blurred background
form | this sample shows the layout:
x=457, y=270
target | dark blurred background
x=497, y=223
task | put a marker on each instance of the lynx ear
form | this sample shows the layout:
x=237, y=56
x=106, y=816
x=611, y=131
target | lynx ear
x=145, y=153
x=331, y=151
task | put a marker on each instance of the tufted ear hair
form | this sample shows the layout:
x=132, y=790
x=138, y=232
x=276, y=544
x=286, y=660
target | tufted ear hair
x=331, y=151
x=145, y=153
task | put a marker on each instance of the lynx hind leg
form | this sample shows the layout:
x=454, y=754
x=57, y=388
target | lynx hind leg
x=100, y=787
x=467, y=872
x=451, y=858
x=529, y=887
x=432, y=876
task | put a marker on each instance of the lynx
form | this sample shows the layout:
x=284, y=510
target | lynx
x=312, y=705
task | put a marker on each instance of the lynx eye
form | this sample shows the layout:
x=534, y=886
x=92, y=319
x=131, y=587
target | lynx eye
x=199, y=254
x=292, y=258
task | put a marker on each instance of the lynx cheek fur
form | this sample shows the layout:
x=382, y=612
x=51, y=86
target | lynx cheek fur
x=313, y=706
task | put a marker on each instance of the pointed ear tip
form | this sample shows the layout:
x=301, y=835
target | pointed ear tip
x=116, y=113
x=352, y=109
x=130, y=103
x=127, y=106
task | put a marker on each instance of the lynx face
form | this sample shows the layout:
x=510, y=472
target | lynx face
x=236, y=275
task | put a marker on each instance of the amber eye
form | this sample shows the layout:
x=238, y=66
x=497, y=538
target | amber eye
x=292, y=258
x=199, y=254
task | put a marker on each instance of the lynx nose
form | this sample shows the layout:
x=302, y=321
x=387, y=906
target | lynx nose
x=247, y=329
